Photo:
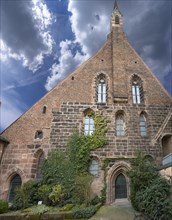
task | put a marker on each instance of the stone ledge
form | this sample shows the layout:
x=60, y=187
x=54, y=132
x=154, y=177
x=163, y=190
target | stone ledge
x=45, y=216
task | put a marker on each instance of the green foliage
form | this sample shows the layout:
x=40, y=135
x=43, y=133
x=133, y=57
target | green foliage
x=96, y=200
x=98, y=137
x=32, y=189
x=142, y=173
x=67, y=207
x=79, y=152
x=43, y=193
x=80, y=146
x=103, y=191
x=40, y=209
x=70, y=169
x=26, y=195
x=84, y=212
x=105, y=164
x=58, y=169
x=56, y=195
x=83, y=188
x=3, y=206
x=149, y=190
x=155, y=198
x=27, y=210
x=21, y=200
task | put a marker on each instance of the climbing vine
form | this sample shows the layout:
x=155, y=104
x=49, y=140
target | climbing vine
x=80, y=145
x=104, y=167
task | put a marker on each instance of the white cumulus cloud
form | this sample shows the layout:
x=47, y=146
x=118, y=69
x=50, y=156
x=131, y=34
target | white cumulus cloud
x=25, y=35
x=90, y=23
x=67, y=63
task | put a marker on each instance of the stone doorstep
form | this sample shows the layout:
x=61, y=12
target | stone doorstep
x=122, y=203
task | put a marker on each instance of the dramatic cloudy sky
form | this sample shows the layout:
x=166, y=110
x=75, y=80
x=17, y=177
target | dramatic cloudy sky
x=44, y=40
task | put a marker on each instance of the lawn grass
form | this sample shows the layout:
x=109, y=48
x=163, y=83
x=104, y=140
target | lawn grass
x=114, y=213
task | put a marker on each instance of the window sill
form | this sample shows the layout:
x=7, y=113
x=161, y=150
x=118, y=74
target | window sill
x=38, y=139
x=101, y=103
x=144, y=137
x=138, y=104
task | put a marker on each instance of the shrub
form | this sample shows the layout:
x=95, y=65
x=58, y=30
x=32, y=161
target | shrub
x=32, y=189
x=40, y=209
x=141, y=175
x=155, y=199
x=26, y=195
x=21, y=199
x=150, y=192
x=96, y=200
x=56, y=195
x=3, y=206
x=67, y=207
x=83, y=188
x=87, y=212
x=43, y=193
x=57, y=169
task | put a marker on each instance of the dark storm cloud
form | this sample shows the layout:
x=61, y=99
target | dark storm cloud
x=150, y=32
x=19, y=30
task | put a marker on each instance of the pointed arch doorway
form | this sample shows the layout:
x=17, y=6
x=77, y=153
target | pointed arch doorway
x=118, y=183
x=120, y=187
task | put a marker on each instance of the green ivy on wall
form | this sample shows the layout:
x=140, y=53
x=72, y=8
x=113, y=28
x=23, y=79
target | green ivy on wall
x=80, y=146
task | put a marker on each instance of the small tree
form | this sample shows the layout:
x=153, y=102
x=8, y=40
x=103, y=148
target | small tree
x=149, y=190
x=58, y=169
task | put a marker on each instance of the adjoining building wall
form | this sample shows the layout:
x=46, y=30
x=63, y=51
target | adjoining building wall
x=167, y=172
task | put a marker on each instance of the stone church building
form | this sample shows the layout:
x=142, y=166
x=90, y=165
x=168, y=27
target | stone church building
x=116, y=83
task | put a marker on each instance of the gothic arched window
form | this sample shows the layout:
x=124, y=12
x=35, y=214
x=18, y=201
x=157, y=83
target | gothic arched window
x=120, y=125
x=94, y=167
x=116, y=19
x=88, y=125
x=15, y=182
x=40, y=160
x=101, y=89
x=142, y=124
x=137, y=90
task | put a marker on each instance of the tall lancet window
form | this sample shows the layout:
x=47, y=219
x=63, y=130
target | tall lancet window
x=40, y=161
x=15, y=182
x=88, y=125
x=120, y=125
x=101, y=93
x=137, y=90
x=142, y=124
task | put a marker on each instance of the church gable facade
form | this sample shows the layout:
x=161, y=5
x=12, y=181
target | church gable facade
x=115, y=83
